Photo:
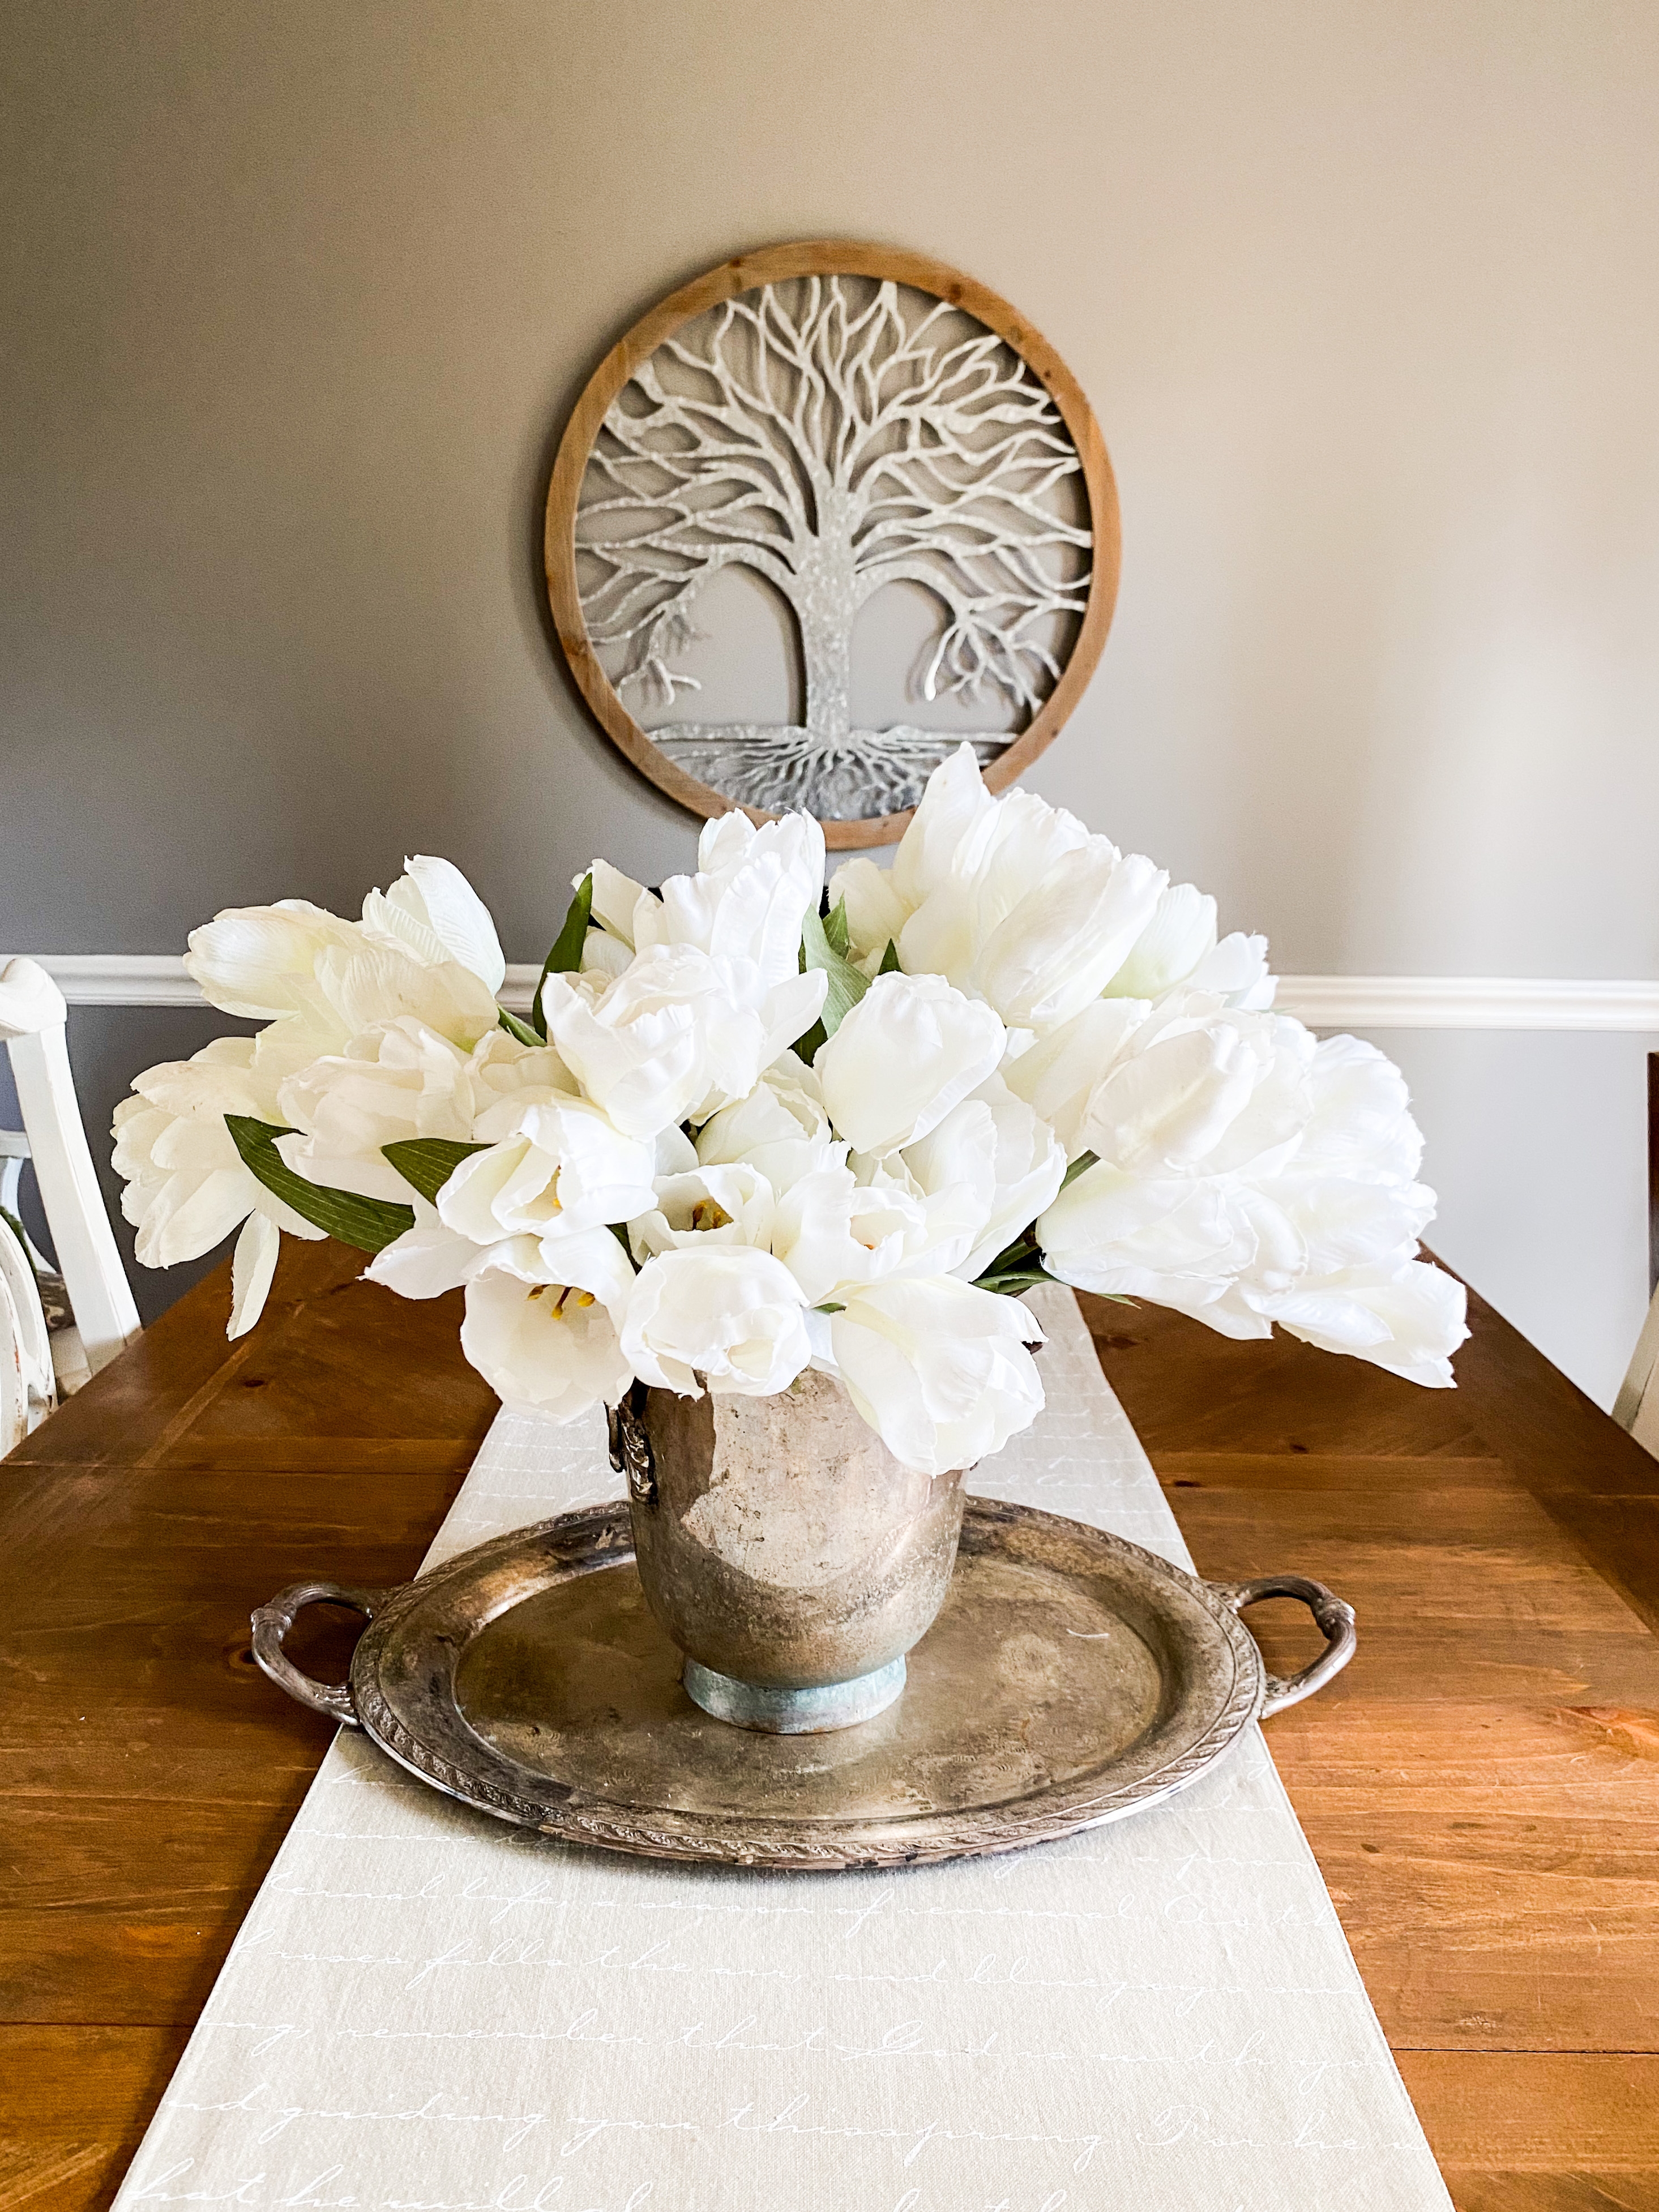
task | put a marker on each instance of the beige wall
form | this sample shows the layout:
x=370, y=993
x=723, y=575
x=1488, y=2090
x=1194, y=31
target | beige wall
x=1364, y=296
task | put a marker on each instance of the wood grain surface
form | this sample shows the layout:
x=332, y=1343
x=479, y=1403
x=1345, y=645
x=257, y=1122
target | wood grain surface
x=1481, y=1788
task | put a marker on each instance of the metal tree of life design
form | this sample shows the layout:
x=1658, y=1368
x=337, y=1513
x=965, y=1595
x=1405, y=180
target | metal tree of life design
x=848, y=438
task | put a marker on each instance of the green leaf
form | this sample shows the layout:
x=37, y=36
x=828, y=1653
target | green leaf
x=847, y=987
x=890, y=959
x=370, y=1224
x=427, y=1162
x=1020, y=1254
x=567, y=954
x=521, y=1030
x=1012, y=1280
x=834, y=928
x=1018, y=1266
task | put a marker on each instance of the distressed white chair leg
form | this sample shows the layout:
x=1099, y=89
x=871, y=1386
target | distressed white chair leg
x=27, y=1383
x=14, y=1151
x=32, y=1019
x=14, y=1384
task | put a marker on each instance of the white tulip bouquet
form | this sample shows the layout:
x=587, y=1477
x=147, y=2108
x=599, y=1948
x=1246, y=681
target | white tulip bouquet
x=750, y=1128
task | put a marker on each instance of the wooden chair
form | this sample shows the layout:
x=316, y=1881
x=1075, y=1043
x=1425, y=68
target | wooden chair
x=1636, y=1405
x=33, y=1019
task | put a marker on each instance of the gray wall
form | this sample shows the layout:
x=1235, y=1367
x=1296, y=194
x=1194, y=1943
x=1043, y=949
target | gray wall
x=1364, y=296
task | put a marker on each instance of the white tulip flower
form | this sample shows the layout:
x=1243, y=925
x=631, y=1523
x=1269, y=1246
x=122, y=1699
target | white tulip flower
x=726, y=1315
x=1054, y=912
x=832, y=1231
x=714, y=992
x=1361, y=1122
x=1409, y=1319
x=1326, y=1223
x=633, y=1043
x=1236, y=972
x=1198, y=1109
x=678, y=1034
x=752, y=892
x=428, y=1259
x=939, y=1370
x=1202, y=1088
x=952, y=1210
x=323, y=981
x=1013, y=900
x=359, y=989
x=505, y=1073
x=615, y=898
x=432, y=1257
x=703, y=1205
x=260, y=961
x=605, y=956
x=995, y=1151
x=1057, y=1075
x=433, y=914
x=911, y=1050
x=403, y=1080
x=187, y=1186
x=780, y=1128
x=543, y=1334
x=954, y=809
x=1172, y=1239
x=558, y=1170
x=876, y=912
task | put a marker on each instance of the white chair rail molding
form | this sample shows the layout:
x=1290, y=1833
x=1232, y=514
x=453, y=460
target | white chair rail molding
x=1323, y=1002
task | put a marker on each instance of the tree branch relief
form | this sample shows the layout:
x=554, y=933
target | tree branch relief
x=836, y=435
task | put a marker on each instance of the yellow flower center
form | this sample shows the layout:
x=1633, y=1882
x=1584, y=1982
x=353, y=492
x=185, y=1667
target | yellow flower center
x=568, y=1300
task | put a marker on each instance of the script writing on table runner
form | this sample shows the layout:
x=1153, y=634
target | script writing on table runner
x=428, y=2012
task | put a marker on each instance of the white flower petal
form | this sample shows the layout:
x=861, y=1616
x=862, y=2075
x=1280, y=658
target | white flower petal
x=1179, y=935
x=252, y=1265
x=256, y=960
x=547, y=1348
x=433, y=914
x=940, y=1371
x=907, y=1053
x=728, y=1316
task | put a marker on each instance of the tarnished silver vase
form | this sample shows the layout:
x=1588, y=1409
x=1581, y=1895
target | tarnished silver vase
x=792, y=1559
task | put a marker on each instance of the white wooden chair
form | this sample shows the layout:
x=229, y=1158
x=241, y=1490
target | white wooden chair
x=28, y=1385
x=32, y=1019
x=1636, y=1405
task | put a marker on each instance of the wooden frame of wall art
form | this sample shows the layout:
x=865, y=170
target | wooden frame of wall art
x=833, y=422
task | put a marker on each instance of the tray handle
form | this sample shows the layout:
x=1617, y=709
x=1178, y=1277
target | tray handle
x=270, y=1623
x=1335, y=1618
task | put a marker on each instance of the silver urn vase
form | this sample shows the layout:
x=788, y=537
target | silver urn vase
x=791, y=1557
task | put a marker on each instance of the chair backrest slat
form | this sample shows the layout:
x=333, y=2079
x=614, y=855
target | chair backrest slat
x=32, y=1019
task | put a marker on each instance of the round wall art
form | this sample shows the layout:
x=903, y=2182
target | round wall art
x=822, y=515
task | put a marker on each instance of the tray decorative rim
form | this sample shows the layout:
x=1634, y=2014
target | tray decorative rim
x=410, y=1710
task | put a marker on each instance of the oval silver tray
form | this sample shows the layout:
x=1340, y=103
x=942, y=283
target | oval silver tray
x=1071, y=1678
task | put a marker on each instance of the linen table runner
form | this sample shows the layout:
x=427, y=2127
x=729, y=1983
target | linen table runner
x=428, y=2012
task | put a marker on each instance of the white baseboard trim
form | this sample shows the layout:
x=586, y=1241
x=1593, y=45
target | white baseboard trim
x=1324, y=1002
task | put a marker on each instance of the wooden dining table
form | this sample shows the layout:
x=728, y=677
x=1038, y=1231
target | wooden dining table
x=1481, y=1788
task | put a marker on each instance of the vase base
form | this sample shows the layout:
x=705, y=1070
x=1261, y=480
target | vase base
x=794, y=1712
